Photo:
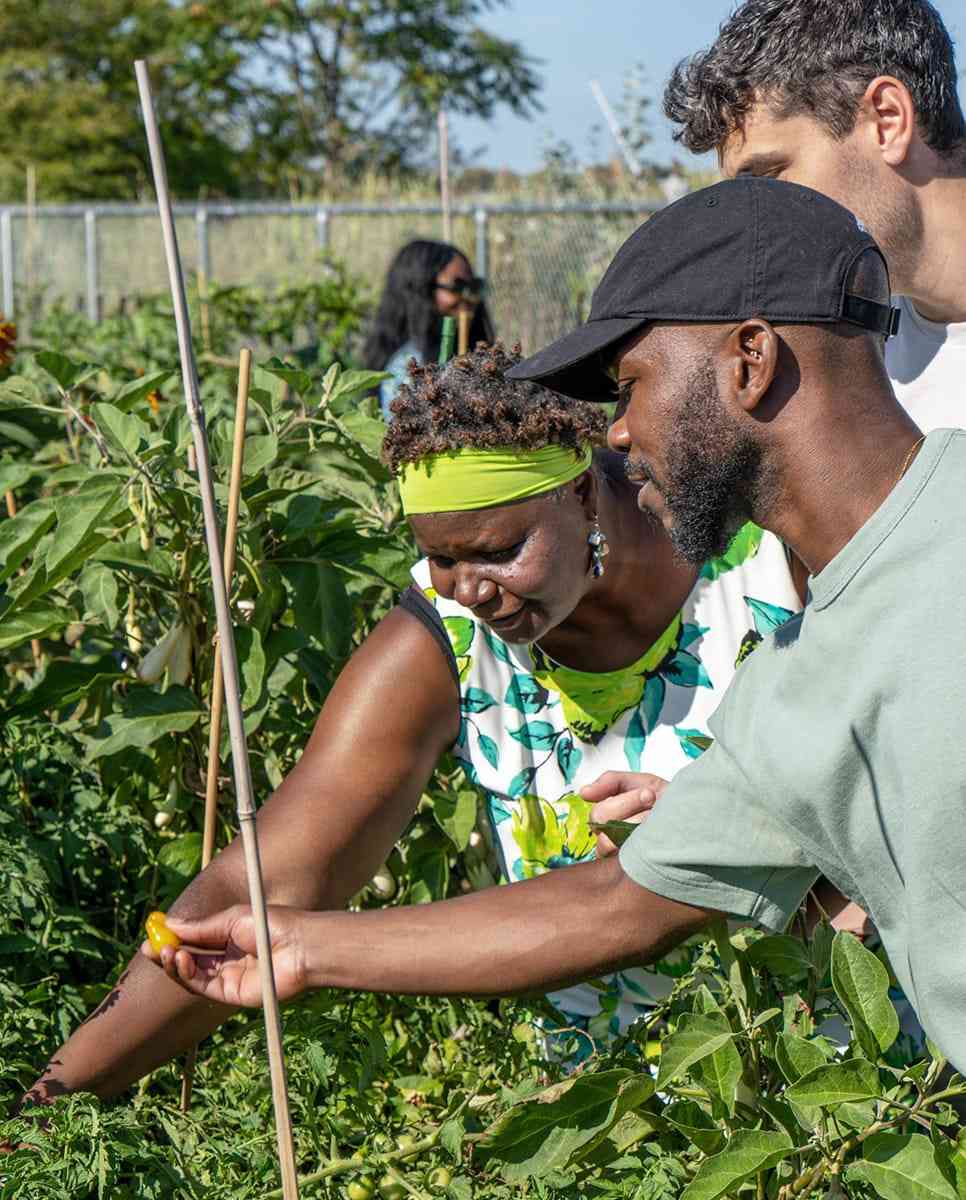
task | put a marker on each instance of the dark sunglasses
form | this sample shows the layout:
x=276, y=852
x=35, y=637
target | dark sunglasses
x=464, y=287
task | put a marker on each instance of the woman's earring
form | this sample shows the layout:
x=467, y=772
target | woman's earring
x=597, y=540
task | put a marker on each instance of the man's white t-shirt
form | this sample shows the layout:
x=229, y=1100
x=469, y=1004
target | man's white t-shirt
x=927, y=365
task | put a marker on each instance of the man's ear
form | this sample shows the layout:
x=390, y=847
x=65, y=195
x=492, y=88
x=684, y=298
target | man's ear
x=753, y=350
x=890, y=112
x=585, y=487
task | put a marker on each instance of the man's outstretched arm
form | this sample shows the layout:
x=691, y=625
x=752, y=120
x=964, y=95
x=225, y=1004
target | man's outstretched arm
x=535, y=936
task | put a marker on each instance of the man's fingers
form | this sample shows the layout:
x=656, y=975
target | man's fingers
x=628, y=806
x=213, y=931
x=611, y=783
x=605, y=847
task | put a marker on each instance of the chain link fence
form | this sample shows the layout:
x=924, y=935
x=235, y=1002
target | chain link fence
x=542, y=262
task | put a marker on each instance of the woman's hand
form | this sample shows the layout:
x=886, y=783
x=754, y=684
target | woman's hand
x=221, y=963
x=621, y=796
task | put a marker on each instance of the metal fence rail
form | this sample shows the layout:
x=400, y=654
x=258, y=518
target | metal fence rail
x=542, y=260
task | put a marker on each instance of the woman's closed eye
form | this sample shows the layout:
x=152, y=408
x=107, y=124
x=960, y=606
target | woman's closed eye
x=503, y=555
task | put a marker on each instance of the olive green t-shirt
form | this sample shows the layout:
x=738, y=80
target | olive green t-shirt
x=840, y=749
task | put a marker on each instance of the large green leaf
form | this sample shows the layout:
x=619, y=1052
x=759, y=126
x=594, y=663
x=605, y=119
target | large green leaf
x=98, y=586
x=19, y=534
x=147, y=715
x=861, y=982
x=748, y=1151
x=696, y=1125
x=65, y=371
x=720, y=1072
x=122, y=430
x=251, y=663
x=321, y=606
x=901, y=1167
x=542, y=1133
x=781, y=955
x=14, y=475
x=129, y=556
x=133, y=392
x=38, y=579
x=836, y=1083
x=33, y=621
x=77, y=516
x=797, y=1056
x=696, y=1037
x=64, y=683
x=455, y=813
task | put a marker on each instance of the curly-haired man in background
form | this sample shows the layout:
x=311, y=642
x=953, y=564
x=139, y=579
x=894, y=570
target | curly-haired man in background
x=857, y=99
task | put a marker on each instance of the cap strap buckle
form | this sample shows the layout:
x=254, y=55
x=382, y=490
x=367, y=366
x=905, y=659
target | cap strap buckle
x=879, y=318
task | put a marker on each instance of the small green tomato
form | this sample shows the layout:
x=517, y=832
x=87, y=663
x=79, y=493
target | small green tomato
x=406, y=1142
x=440, y=1177
x=359, y=1191
x=391, y=1189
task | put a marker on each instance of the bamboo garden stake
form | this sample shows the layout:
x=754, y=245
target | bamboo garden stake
x=240, y=763
x=443, y=125
x=463, y=341
x=218, y=678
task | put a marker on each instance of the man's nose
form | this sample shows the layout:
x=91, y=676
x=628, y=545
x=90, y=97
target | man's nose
x=618, y=438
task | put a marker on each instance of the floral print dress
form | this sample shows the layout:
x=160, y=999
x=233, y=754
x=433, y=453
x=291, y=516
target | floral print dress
x=533, y=733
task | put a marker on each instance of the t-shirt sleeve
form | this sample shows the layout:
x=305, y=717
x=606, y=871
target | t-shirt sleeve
x=714, y=841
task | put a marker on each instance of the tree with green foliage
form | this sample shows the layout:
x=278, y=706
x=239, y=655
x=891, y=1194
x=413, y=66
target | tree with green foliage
x=256, y=97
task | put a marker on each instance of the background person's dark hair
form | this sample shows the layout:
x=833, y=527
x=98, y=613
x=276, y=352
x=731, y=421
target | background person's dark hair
x=407, y=311
x=817, y=57
x=469, y=403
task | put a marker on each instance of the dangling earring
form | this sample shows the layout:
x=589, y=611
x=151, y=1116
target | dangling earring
x=597, y=540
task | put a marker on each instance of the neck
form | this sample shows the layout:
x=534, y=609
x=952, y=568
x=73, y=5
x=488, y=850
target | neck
x=641, y=591
x=836, y=473
x=935, y=276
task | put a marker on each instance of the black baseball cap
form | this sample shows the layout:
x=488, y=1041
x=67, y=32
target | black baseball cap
x=748, y=247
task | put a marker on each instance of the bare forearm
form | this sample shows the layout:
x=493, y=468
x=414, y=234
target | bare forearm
x=530, y=937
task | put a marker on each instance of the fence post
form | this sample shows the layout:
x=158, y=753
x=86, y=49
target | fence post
x=90, y=262
x=204, y=250
x=482, y=242
x=6, y=261
x=322, y=228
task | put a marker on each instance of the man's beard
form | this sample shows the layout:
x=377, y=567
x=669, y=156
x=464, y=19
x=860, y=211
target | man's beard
x=714, y=473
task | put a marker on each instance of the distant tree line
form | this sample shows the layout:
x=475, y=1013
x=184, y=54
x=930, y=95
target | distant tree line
x=256, y=97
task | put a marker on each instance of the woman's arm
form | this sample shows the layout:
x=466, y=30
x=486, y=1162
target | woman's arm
x=322, y=835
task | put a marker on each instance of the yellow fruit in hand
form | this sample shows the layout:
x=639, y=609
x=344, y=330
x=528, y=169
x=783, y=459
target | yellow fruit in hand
x=159, y=933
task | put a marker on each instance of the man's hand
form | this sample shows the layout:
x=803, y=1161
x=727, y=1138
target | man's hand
x=621, y=796
x=221, y=962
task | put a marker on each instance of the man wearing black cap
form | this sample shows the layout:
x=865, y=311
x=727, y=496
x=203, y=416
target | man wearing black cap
x=746, y=325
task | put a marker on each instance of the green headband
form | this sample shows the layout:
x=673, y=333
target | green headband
x=460, y=480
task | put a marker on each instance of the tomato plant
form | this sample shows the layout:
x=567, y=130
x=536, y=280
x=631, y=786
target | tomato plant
x=769, y=1071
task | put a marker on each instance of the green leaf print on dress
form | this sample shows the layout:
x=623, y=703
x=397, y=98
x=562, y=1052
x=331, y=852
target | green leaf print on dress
x=591, y=703
x=461, y=631
x=767, y=618
x=744, y=545
x=551, y=835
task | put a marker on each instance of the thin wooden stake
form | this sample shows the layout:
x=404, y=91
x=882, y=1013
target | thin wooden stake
x=218, y=678
x=236, y=726
x=464, y=317
x=443, y=126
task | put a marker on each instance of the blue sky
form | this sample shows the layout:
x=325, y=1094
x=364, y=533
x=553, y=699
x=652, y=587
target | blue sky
x=580, y=40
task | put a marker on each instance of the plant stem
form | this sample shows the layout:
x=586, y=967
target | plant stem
x=341, y=1166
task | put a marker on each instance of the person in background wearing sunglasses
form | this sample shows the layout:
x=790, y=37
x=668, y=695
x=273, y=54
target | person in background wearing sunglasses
x=426, y=282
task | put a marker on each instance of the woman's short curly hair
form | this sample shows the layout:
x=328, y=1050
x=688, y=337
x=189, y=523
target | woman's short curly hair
x=470, y=403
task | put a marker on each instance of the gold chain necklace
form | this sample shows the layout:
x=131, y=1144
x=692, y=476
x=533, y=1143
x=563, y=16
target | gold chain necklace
x=908, y=459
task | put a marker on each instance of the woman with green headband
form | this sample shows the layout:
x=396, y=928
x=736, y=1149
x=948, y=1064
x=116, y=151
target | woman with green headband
x=550, y=636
